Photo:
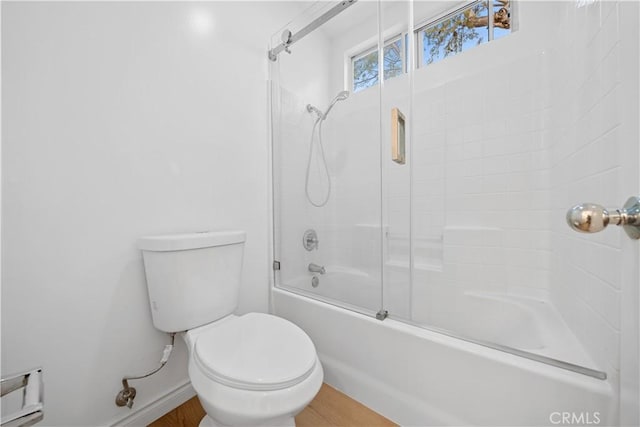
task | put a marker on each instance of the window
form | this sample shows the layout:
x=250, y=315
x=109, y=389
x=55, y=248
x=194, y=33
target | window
x=455, y=32
x=365, y=65
x=462, y=30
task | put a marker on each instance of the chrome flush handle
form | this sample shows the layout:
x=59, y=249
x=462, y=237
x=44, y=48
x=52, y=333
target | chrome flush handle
x=591, y=218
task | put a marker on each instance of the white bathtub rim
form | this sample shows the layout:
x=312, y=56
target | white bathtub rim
x=595, y=385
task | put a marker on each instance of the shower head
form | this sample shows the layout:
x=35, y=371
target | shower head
x=341, y=96
x=312, y=109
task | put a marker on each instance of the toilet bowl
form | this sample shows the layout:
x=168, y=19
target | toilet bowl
x=251, y=370
x=264, y=378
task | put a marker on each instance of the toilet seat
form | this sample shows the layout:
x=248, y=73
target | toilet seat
x=255, y=352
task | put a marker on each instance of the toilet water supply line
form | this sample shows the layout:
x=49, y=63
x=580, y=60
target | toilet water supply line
x=127, y=394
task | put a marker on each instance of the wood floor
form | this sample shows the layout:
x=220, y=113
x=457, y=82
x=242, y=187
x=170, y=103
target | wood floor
x=329, y=408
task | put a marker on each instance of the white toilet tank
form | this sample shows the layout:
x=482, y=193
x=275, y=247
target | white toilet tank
x=193, y=279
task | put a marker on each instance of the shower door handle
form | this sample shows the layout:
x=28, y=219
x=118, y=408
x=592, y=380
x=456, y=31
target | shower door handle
x=591, y=218
x=397, y=136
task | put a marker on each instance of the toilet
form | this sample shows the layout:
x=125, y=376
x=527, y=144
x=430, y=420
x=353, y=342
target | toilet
x=250, y=370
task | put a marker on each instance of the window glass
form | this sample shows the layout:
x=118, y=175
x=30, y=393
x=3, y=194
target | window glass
x=393, y=59
x=454, y=34
x=365, y=65
x=458, y=31
x=501, y=19
x=365, y=71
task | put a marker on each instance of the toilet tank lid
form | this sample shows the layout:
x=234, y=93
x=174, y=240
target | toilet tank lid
x=197, y=240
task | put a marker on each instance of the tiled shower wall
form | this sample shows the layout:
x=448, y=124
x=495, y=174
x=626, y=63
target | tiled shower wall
x=586, y=167
x=481, y=177
x=481, y=172
x=501, y=154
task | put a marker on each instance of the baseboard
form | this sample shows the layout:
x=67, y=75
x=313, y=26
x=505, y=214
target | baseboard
x=154, y=410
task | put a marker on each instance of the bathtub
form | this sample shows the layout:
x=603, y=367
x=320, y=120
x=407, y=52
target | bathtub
x=347, y=285
x=418, y=377
x=529, y=324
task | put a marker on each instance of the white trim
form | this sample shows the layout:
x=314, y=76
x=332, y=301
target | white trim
x=371, y=45
x=629, y=182
x=359, y=50
x=399, y=30
x=451, y=13
x=154, y=410
x=448, y=13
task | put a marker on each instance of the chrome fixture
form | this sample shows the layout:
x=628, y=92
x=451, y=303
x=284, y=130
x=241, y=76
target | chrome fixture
x=310, y=240
x=127, y=394
x=521, y=353
x=315, y=268
x=315, y=281
x=341, y=96
x=288, y=38
x=591, y=218
x=32, y=410
x=312, y=109
x=382, y=314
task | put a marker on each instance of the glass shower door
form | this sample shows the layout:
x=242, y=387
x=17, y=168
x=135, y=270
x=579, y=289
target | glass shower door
x=326, y=157
x=511, y=128
x=396, y=29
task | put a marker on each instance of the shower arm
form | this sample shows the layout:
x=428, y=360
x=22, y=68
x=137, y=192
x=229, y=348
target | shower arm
x=292, y=38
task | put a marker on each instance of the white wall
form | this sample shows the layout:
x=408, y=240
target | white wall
x=122, y=120
x=590, y=144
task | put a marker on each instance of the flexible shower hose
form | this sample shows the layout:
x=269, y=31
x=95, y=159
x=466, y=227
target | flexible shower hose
x=317, y=124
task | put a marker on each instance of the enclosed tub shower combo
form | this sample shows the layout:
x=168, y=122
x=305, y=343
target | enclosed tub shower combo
x=424, y=222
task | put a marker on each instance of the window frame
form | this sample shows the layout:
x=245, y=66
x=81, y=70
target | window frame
x=401, y=36
x=450, y=13
x=397, y=33
x=367, y=52
x=447, y=14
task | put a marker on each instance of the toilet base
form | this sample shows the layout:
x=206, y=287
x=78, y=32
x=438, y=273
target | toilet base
x=207, y=421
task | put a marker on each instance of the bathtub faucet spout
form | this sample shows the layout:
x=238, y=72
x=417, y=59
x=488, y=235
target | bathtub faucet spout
x=315, y=268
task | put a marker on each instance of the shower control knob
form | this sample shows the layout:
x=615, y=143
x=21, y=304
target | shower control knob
x=591, y=218
x=310, y=240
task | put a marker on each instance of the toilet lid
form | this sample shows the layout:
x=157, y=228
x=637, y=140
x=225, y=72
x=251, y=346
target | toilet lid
x=256, y=352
